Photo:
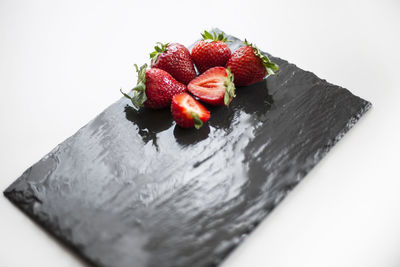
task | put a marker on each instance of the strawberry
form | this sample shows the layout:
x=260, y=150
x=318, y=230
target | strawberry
x=155, y=88
x=210, y=52
x=174, y=59
x=215, y=86
x=249, y=65
x=188, y=112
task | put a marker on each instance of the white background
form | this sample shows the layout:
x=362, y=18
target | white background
x=63, y=62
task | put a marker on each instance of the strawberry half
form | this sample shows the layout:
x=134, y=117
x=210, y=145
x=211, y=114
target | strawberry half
x=249, y=65
x=155, y=88
x=210, y=52
x=174, y=59
x=187, y=112
x=215, y=86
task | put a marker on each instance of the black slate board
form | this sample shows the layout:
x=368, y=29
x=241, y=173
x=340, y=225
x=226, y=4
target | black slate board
x=132, y=189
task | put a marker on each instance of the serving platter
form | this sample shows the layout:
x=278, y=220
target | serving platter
x=131, y=188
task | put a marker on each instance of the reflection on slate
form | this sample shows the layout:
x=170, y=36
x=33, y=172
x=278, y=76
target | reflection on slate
x=132, y=189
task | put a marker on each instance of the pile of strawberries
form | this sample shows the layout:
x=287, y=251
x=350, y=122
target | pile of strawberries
x=172, y=75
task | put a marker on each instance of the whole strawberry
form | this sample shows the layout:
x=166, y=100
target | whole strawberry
x=249, y=65
x=187, y=112
x=155, y=88
x=174, y=59
x=215, y=86
x=210, y=52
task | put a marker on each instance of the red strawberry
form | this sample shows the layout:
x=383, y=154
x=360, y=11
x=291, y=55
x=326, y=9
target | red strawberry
x=210, y=52
x=174, y=59
x=187, y=112
x=249, y=66
x=215, y=86
x=155, y=88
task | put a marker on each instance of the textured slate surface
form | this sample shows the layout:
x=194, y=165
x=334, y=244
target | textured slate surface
x=132, y=189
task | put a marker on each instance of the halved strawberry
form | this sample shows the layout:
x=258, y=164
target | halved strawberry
x=187, y=112
x=215, y=86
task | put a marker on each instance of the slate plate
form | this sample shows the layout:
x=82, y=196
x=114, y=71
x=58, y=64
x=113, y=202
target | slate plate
x=132, y=189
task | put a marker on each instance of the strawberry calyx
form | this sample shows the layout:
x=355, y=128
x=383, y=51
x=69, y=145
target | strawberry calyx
x=229, y=87
x=198, y=123
x=139, y=90
x=214, y=37
x=270, y=66
x=158, y=49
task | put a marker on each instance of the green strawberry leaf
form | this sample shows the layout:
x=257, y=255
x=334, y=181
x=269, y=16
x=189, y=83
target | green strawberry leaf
x=197, y=122
x=207, y=36
x=125, y=94
x=139, y=90
x=213, y=37
x=270, y=66
x=229, y=88
x=158, y=49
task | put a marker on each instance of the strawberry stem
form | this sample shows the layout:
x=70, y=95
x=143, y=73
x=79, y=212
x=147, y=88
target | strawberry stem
x=139, y=90
x=198, y=123
x=229, y=88
x=270, y=66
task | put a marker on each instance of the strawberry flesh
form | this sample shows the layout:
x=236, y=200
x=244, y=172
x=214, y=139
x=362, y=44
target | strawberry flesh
x=212, y=86
x=187, y=112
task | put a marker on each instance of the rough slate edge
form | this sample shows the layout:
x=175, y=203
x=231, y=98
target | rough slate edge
x=24, y=203
x=75, y=249
x=80, y=257
x=24, y=206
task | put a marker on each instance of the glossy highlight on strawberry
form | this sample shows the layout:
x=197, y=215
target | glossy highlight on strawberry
x=155, y=88
x=215, y=86
x=210, y=52
x=188, y=112
x=249, y=65
x=175, y=59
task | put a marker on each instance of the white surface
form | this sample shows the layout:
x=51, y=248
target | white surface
x=63, y=62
